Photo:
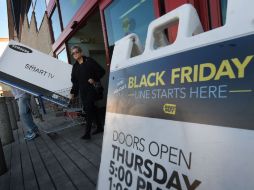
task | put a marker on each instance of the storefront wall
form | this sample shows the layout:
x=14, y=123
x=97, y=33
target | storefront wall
x=111, y=12
x=81, y=16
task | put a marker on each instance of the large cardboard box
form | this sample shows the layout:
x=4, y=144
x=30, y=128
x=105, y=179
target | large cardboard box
x=36, y=73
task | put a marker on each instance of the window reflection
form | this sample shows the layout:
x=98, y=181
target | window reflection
x=63, y=56
x=47, y=2
x=56, y=24
x=224, y=10
x=34, y=2
x=4, y=32
x=30, y=11
x=40, y=8
x=68, y=9
x=124, y=17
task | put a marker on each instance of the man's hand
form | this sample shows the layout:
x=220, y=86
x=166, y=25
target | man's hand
x=72, y=99
x=71, y=96
x=91, y=81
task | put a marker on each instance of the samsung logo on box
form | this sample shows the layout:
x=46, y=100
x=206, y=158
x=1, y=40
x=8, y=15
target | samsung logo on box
x=20, y=48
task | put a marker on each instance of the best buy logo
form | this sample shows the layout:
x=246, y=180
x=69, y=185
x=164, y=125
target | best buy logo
x=169, y=109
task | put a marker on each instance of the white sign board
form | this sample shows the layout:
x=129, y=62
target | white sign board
x=181, y=116
x=36, y=73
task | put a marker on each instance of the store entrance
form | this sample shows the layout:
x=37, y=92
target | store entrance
x=90, y=38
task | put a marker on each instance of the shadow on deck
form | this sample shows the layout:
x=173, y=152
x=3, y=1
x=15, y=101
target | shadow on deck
x=55, y=161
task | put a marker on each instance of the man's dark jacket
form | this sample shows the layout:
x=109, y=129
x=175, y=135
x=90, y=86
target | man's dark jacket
x=80, y=75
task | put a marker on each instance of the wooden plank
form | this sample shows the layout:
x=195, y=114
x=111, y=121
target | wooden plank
x=95, y=144
x=72, y=134
x=30, y=181
x=91, y=147
x=80, y=161
x=43, y=178
x=83, y=148
x=79, y=128
x=61, y=180
x=75, y=174
x=5, y=179
x=16, y=165
x=56, y=124
x=75, y=135
x=98, y=139
x=89, y=144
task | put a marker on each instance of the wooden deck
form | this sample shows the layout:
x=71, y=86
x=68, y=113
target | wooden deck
x=56, y=161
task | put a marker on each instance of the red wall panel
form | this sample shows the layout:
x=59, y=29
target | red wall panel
x=169, y=6
x=215, y=11
x=202, y=8
x=103, y=4
x=209, y=12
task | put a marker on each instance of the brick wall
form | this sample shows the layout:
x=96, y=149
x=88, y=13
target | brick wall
x=39, y=40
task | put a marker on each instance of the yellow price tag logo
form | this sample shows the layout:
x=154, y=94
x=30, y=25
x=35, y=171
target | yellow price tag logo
x=169, y=109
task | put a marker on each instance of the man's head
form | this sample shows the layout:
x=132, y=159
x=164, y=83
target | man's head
x=76, y=52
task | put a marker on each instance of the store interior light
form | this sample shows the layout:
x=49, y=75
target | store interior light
x=1, y=91
x=131, y=9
